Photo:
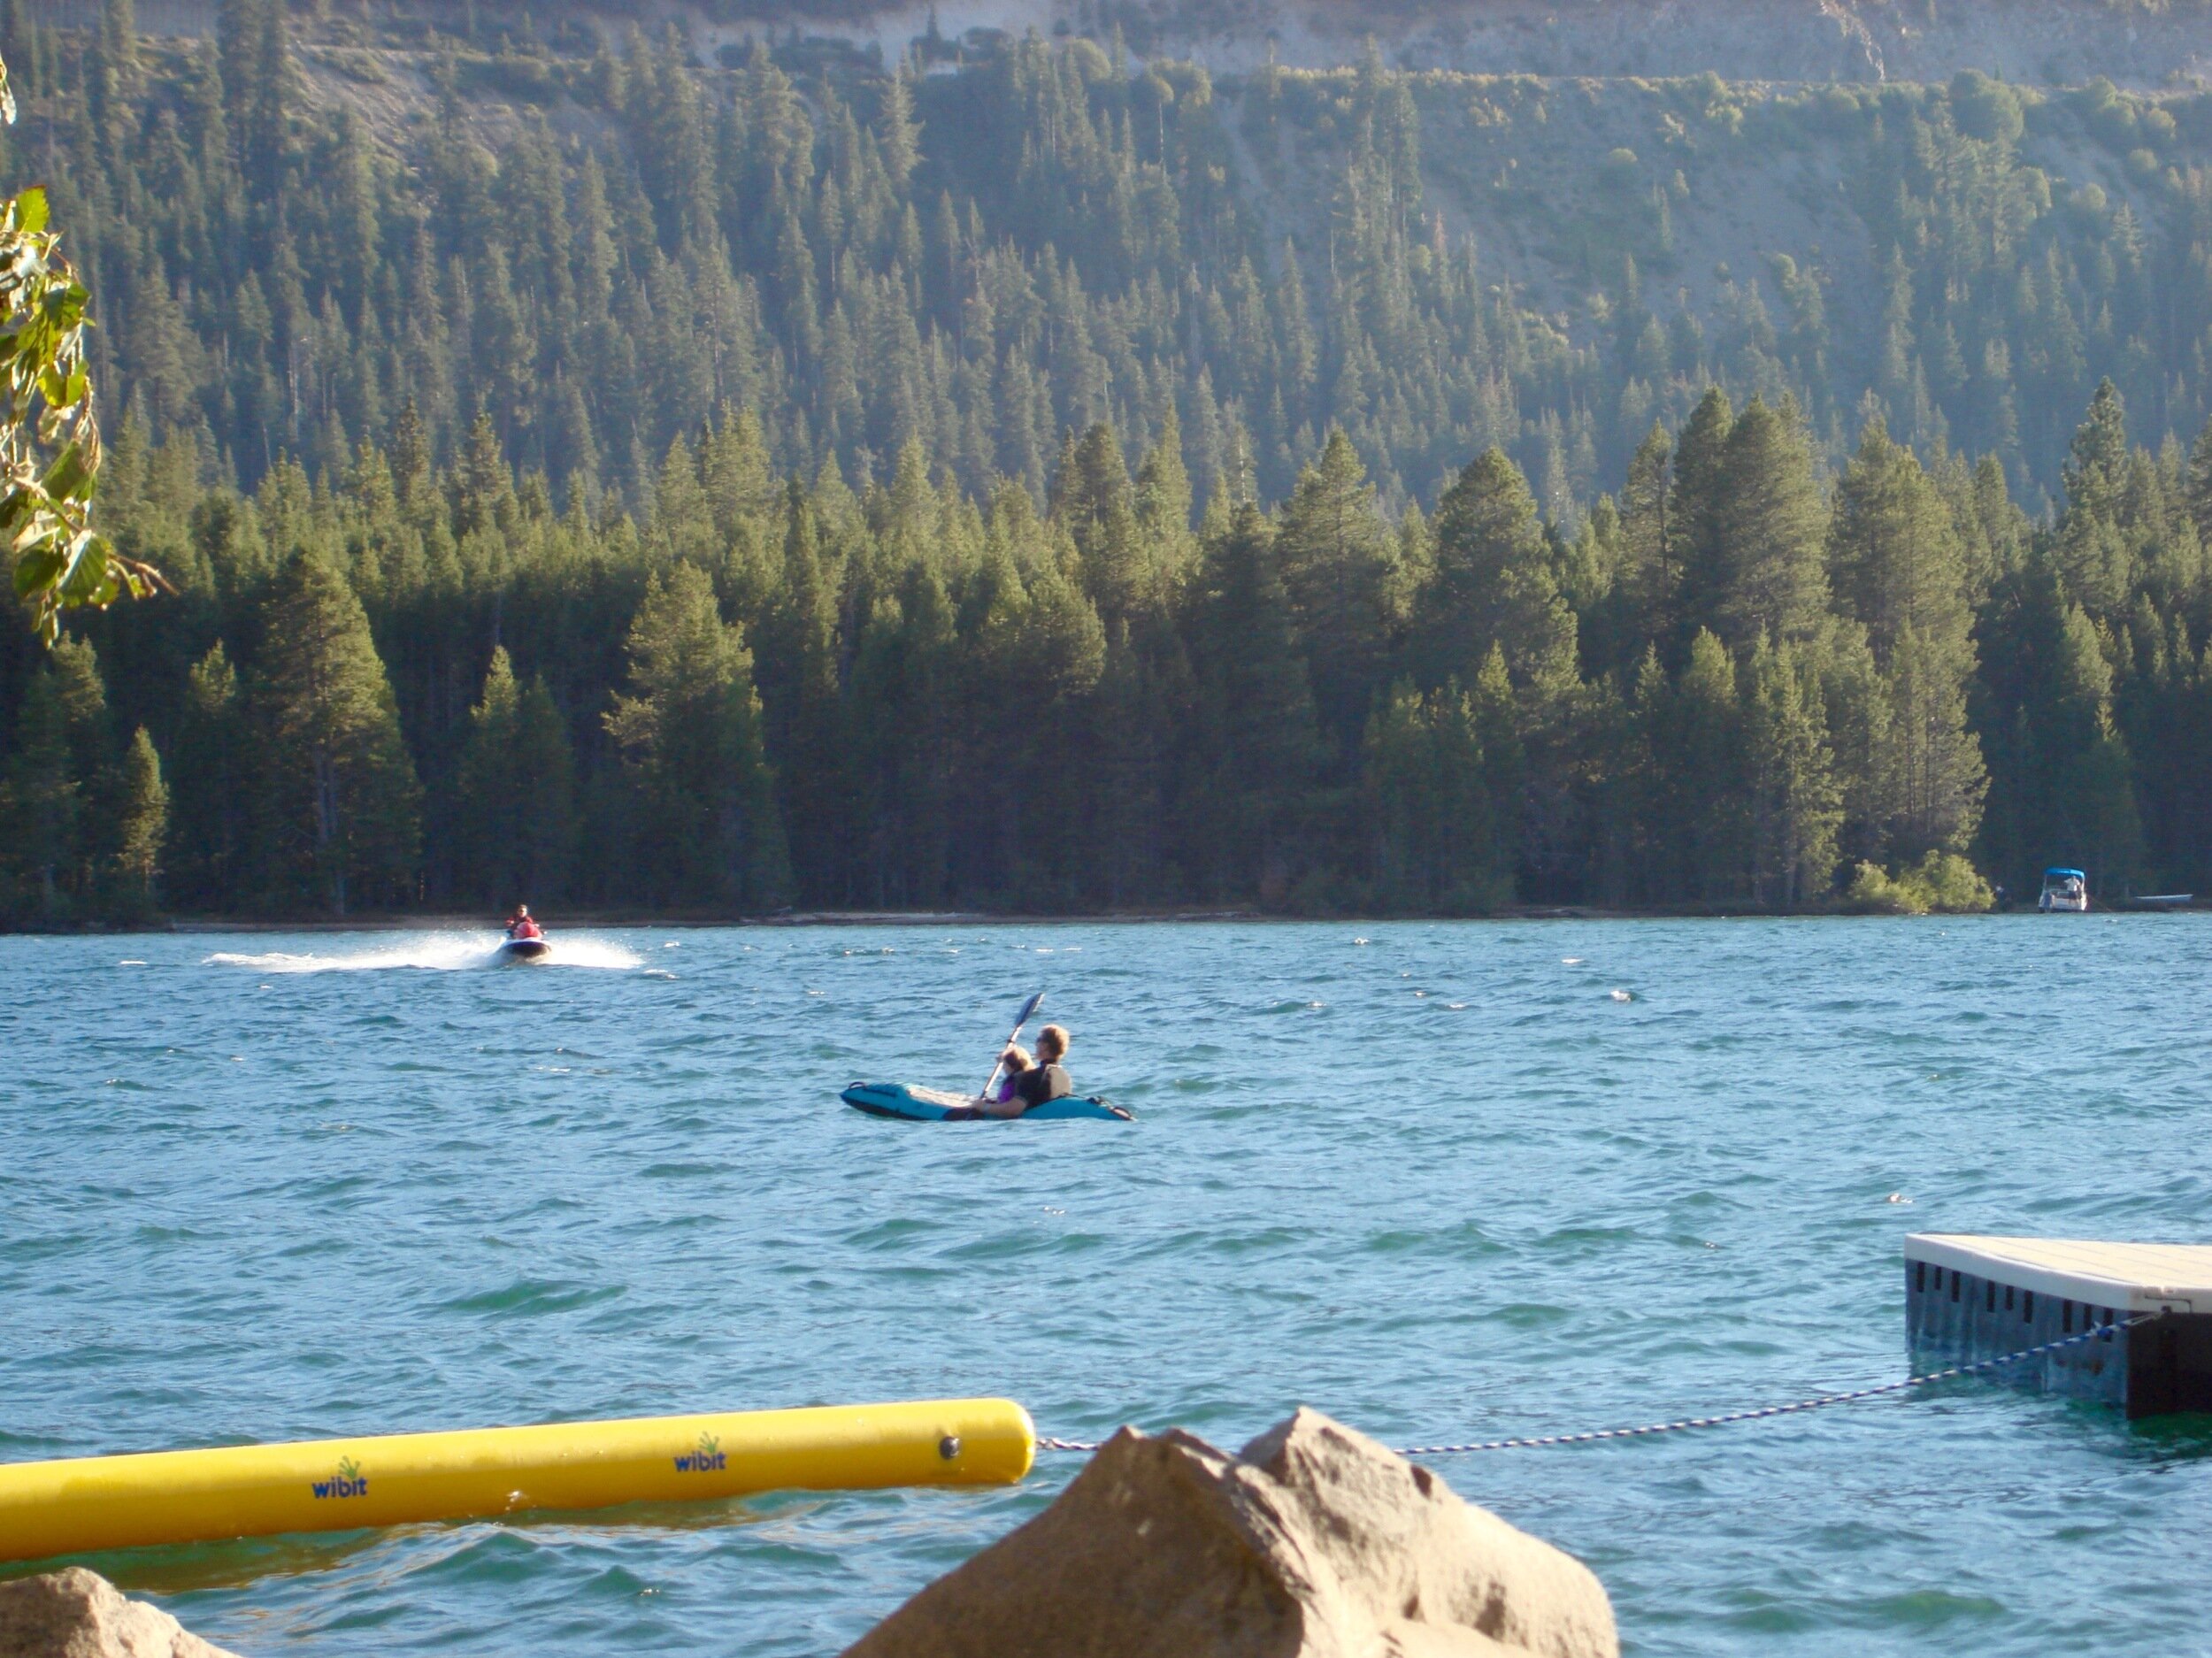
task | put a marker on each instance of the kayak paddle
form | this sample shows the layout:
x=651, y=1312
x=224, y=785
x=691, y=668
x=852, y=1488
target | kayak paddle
x=1028, y=1012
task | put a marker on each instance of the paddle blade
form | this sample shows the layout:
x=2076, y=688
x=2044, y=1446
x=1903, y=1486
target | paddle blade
x=1029, y=1010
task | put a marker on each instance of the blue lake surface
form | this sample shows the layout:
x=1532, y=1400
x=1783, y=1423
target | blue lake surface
x=1442, y=1181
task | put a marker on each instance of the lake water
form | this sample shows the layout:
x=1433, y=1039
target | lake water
x=1443, y=1181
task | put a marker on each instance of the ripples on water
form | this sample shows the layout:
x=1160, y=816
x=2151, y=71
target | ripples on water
x=1443, y=1181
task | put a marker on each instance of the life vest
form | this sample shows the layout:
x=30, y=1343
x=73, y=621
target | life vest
x=1041, y=1083
x=525, y=928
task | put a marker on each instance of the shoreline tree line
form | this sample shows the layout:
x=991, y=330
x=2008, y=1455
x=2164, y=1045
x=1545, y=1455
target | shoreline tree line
x=1732, y=688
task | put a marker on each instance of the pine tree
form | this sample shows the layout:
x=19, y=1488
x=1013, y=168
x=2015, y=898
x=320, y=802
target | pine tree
x=1498, y=715
x=1429, y=803
x=1936, y=767
x=1894, y=554
x=1651, y=576
x=1163, y=510
x=40, y=801
x=483, y=485
x=2091, y=800
x=143, y=826
x=1695, y=499
x=1340, y=567
x=1769, y=526
x=1057, y=658
x=898, y=135
x=211, y=784
x=1093, y=497
x=1706, y=771
x=80, y=694
x=1899, y=570
x=342, y=804
x=1494, y=584
x=809, y=714
x=2061, y=792
x=1261, y=752
x=900, y=715
x=1795, y=806
x=2096, y=463
x=516, y=788
x=2200, y=483
x=1398, y=774
x=705, y=829
x=2095, y=557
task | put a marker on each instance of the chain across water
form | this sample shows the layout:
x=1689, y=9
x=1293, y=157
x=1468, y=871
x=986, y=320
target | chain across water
x=1815, y=1403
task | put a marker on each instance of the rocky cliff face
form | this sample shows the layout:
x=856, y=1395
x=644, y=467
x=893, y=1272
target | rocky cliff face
x=2030, y=41
x=2141, y=43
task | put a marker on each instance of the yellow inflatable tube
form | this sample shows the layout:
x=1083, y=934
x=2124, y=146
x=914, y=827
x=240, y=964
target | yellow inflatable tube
x=97, y=1502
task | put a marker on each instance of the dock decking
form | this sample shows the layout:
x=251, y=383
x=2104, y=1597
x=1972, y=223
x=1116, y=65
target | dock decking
x=1970, y=1297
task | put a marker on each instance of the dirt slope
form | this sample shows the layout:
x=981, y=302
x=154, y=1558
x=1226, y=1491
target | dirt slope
x=2142, y=44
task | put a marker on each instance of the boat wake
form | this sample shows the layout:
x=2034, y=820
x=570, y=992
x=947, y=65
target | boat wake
x=434, y=952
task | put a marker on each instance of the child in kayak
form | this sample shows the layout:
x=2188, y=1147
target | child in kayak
x=1013, y=1065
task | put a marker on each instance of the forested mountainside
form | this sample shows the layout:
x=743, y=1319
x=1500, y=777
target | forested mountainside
x=1034, y=476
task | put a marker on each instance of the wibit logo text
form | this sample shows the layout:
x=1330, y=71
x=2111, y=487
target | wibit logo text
x=706, y=1459
x=351, y=1481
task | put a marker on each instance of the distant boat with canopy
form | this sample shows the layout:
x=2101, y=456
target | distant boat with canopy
x=2064, y=892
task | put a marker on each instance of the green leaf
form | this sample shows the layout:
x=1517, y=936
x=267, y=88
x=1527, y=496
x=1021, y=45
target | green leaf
x=38, y=570
x=31, y=210
x=89, y=577
x=68, y=477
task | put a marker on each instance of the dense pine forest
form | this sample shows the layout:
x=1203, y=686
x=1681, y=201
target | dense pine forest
x=596, y=472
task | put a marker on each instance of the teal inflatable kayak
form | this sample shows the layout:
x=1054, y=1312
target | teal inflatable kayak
x=931, y=1105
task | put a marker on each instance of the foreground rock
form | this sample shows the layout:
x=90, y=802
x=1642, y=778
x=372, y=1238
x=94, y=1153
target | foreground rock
x=1314, y=1542
x=78, y=1614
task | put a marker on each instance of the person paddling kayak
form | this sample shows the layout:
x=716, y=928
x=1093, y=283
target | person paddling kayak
x=1040, y=1089
x=1048, y=1078
x=1030, y=1084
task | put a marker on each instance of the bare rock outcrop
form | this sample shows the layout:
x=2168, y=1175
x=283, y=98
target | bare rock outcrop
x=1313, y=1542
x=78, y=1614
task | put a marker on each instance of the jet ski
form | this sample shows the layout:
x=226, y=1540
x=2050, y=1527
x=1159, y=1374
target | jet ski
x=535, y=950
x=931, y=1105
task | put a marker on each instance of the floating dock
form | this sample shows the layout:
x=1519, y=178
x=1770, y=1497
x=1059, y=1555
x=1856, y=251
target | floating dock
x=100, y=1502
x=1969, y=1297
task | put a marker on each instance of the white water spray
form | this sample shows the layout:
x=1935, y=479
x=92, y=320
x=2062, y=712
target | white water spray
x=437, y=952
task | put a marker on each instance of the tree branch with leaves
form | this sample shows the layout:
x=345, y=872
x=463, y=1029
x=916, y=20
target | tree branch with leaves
x=50, y=429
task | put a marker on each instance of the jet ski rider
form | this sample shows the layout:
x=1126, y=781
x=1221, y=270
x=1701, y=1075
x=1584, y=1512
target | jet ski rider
x=519, y=925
